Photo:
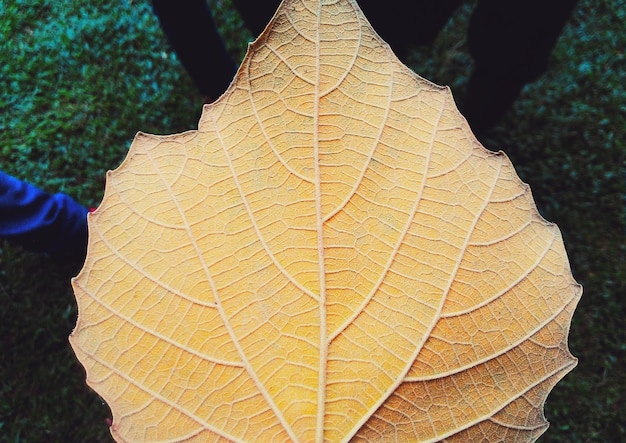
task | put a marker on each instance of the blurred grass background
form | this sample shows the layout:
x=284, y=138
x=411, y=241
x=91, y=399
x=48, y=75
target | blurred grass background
x=79, y=79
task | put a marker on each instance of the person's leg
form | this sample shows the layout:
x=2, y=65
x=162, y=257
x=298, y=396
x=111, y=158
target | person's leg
x=403, y=23
x=256, y=14
x=511, y=43
x=191, y=31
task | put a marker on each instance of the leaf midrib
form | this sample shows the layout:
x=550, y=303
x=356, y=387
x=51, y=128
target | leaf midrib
x=319, y=220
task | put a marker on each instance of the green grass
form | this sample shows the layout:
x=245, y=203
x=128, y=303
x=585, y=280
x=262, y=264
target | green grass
x=79, y=79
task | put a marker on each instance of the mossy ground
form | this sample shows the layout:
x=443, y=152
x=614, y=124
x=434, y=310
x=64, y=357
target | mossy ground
x=80, y=79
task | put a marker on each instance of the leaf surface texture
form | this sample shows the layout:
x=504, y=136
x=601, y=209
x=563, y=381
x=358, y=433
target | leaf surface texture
x=331, y=256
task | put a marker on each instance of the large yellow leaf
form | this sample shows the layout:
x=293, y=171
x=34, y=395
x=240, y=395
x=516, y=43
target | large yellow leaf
x=331, y=256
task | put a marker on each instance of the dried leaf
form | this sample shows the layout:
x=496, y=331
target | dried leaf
x=330, y=256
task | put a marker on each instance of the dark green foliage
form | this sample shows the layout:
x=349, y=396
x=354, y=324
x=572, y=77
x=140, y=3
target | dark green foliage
x=79, y=79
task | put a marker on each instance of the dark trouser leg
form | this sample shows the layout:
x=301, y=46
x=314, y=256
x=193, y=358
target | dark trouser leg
x=193, y=35
x=510, y=42
x=403, y=23
x=256, y=14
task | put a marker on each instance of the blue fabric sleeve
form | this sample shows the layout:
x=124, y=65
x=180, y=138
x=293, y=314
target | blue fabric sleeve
x=41, y=222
